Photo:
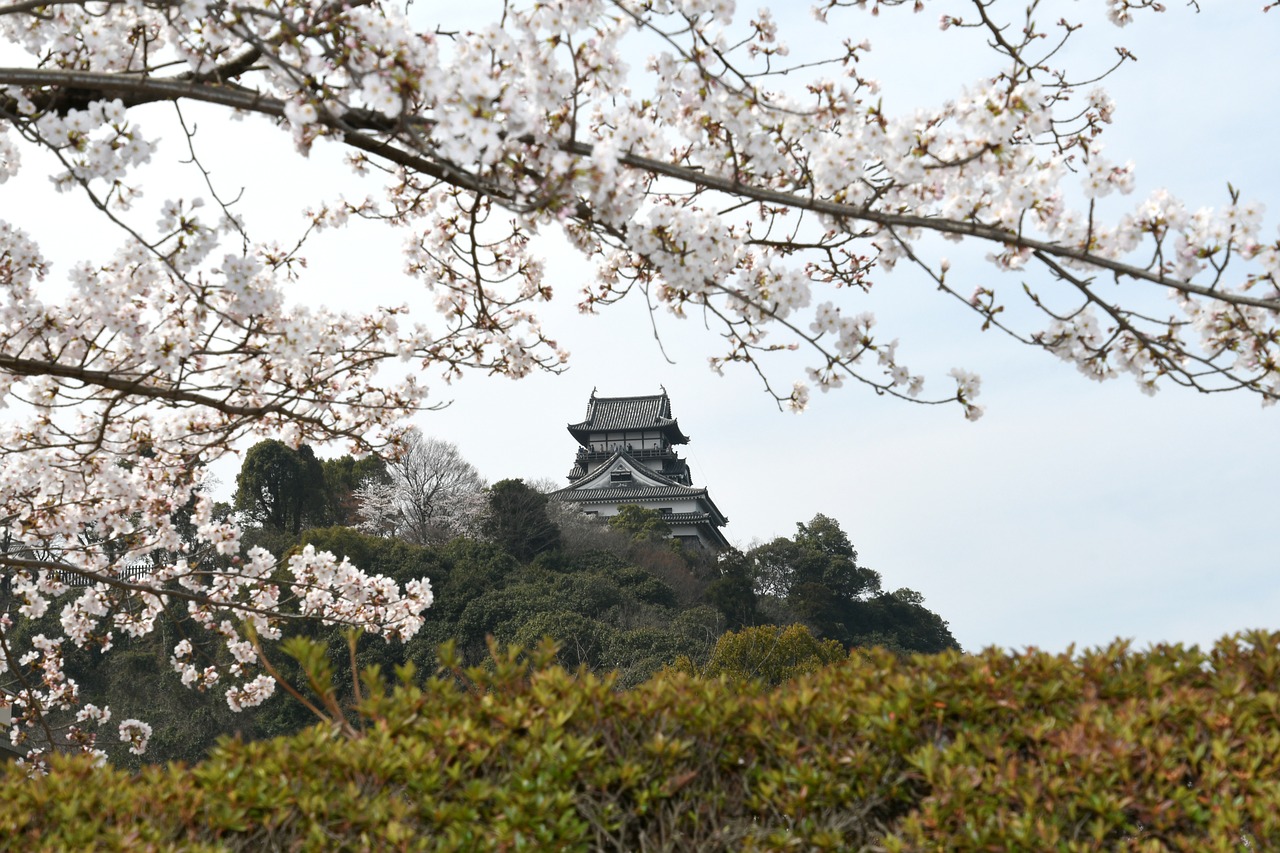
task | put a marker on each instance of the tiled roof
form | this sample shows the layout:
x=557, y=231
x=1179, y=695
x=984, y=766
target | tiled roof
x=706, y=523
x=644, y=470
x=617, y=414
x=626, y=494
x=636, y=493
x=687, y=517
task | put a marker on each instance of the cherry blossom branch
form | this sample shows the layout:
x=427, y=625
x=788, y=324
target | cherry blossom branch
x=159, y=593
x=148, y=89
x=989, y=233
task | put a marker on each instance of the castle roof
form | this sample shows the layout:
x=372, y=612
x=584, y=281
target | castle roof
x=621, y=414
x=628, y=494
x=647, y=487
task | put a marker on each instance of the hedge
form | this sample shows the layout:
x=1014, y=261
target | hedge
x=1166, y=749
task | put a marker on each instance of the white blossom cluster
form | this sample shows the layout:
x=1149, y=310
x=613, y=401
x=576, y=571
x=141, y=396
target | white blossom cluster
x=721, y=175
x=431, y=493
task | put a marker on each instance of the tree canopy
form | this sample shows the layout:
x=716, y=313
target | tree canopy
x=640, y=523
x=516, y=517
x=814, y=578
x=282, y=488
x=429, y=492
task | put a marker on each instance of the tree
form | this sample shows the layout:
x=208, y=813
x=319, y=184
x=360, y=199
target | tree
x=766, y=653
x=819, y=555
x=430, y=493
x=641, y=524
x=343, y=476
x=814, y=578
x=552, y=128
x=732, y=592
x=516, y=518
x=715, y=185
x=282, y=488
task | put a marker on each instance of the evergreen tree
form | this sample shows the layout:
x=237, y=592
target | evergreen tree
x=281, y=488
x=814, y=578
x=516, y=518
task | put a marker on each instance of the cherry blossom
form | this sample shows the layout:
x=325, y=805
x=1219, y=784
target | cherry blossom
x=135, y=733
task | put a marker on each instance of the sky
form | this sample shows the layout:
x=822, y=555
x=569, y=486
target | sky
x=1071, y=513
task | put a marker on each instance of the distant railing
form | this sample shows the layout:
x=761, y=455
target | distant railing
x=585, y=455
x=125, y=573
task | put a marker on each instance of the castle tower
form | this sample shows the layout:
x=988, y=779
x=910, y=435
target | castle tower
x=627, y=456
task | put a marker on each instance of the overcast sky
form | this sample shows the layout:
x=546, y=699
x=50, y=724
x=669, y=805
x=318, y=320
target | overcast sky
x=1072, y=512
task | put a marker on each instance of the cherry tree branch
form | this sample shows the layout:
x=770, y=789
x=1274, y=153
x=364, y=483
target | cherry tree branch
x=150, y=89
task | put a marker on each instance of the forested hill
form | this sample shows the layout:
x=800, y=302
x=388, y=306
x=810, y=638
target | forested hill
x=507, y=563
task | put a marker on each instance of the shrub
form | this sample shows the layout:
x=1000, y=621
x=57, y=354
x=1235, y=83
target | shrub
x=767, y=653
x=1169, y=749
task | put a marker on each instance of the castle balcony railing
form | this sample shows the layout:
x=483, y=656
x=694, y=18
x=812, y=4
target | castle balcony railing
x=585, y=455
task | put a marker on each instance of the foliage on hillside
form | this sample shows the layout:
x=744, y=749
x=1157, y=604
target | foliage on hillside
x=1168, y=749
x=767, y=654
x=614, y=597
x=814, y=578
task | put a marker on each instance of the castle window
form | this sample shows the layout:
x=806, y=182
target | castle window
x=622, y=476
